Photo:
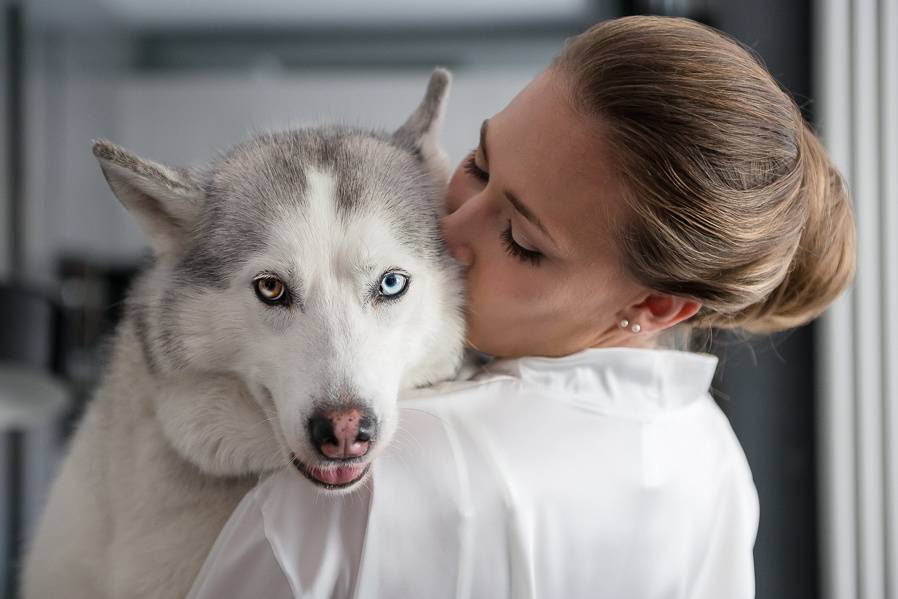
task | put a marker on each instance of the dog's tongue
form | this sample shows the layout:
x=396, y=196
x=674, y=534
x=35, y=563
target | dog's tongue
x=337, y=476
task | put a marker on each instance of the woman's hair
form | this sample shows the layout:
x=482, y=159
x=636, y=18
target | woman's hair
x=732, y=199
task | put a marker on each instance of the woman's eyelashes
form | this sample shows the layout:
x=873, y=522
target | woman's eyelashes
x=511, y=246
x=470, y=167
x=514, y=249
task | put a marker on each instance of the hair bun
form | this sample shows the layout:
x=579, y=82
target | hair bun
x=731, y=199
x=823, y=263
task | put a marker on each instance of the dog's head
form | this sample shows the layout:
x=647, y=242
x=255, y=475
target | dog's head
x=309, y=265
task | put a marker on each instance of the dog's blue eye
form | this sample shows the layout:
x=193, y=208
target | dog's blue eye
x=393, y=284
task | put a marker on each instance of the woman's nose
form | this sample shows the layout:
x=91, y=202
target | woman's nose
x=453, y=231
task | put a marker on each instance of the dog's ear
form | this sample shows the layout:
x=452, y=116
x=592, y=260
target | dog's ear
x=165, y=201
x=421, y=131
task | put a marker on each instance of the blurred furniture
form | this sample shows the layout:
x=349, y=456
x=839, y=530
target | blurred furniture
x=29, y=396
x=92, y=295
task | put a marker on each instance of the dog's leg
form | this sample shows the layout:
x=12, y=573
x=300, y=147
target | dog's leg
x=213, y=422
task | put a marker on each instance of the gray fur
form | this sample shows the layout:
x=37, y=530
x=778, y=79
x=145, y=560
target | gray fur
x=249, y=187
x=113, y=154
x=428, y=113
x=141, y=330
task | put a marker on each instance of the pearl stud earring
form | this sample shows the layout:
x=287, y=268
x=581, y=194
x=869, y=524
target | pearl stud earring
x=624, y=323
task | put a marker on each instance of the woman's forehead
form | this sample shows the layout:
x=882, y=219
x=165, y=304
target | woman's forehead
x=558, y=162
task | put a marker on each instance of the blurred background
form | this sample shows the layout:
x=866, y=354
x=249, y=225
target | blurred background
x=175, y=81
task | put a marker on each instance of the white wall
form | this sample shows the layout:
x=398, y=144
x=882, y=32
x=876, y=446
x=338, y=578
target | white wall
x=178, y=13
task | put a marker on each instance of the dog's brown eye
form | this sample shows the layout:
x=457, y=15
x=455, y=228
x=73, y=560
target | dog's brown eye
x=271, y=290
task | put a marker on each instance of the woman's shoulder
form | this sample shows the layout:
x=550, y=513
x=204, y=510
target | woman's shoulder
x=640, y=422
x=632, y=382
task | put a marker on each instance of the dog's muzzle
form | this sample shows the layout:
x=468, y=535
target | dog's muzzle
x=342, y=436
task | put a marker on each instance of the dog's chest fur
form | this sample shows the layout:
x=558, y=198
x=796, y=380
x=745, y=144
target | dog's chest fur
x=143, y=518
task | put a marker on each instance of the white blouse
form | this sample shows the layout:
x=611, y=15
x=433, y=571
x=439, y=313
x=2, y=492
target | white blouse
x=610, y=473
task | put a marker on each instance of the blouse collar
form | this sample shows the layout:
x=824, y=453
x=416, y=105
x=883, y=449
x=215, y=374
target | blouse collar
x=656, y=378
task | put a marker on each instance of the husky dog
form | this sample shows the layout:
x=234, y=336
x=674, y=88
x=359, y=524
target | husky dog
x=298, y=283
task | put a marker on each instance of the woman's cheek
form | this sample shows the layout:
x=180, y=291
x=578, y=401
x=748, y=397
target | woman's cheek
x=524, y=282
x=505, y=282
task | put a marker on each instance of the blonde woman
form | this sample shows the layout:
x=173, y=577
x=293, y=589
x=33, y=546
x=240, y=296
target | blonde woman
x=653, y=180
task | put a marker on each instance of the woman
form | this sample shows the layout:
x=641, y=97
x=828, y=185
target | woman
x=654, y=180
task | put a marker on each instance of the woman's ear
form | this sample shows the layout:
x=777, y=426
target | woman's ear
x=659, y=311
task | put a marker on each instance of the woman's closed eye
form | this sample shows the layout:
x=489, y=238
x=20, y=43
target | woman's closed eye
x=512, y=247
x=518, y=251
x=470, y=167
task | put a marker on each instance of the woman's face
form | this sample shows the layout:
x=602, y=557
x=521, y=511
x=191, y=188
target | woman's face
x=531, y=213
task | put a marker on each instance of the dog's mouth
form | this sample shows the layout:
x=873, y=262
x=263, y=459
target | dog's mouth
x=332, y=477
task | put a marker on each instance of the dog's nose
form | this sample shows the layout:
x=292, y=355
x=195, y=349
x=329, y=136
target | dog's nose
x=342, y=434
